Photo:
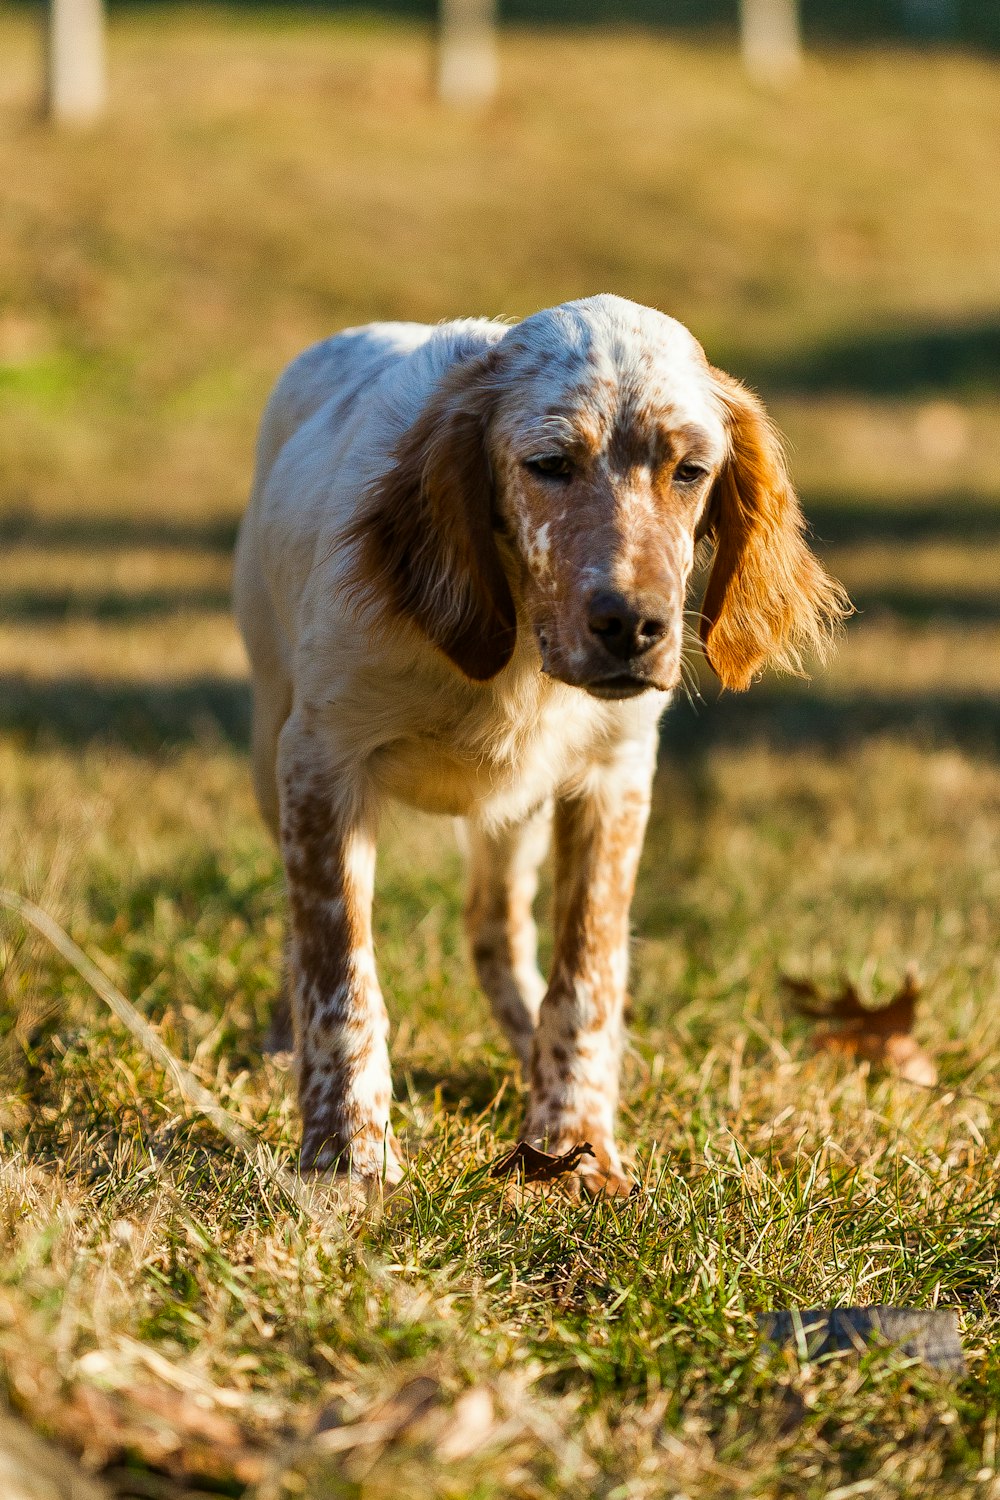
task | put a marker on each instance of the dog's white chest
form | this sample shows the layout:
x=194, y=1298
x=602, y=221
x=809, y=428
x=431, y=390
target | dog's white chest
x=489, y=763
x=424, y=773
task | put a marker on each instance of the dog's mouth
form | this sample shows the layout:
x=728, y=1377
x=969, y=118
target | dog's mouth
x=609, y=686
x=621, y=685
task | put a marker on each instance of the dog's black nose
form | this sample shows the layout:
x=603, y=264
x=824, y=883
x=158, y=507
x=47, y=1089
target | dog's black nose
x=626, y=626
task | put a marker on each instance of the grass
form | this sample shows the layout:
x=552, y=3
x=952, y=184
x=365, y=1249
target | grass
x=614, y=1342
x=165, y=1315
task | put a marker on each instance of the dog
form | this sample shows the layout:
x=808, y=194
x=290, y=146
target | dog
x=461, y=580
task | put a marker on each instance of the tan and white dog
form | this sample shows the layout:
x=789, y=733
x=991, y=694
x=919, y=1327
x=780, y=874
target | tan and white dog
x=461, y=580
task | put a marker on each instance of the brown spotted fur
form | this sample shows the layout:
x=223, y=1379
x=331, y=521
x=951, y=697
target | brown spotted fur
x=432, y=642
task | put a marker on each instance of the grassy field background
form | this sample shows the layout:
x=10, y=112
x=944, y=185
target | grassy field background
x=164, y=1314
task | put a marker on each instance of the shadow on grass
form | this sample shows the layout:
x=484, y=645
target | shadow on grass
x=955, y=517
x=973, y=24
x=103, y=532
x=962, y=358
x=62, y=605
x=835, y=516
x=473, y=1087
x=834, y=722
x=148, y=717
x=921, y=606
x=143, y=716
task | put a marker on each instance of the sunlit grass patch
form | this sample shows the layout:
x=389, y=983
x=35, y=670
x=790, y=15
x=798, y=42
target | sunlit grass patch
x=186, y=643
x=49, y=583
x=612, y=1340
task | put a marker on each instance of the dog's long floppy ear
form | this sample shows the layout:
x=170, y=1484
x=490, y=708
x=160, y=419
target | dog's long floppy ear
x=768, y=601
x=426, y=543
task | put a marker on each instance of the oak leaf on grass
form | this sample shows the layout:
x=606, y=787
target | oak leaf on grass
x=854, y=1031
x=534, y=1165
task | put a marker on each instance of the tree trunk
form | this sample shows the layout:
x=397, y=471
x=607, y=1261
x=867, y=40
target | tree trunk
x=75, y=79
x=772, y=43
x=466, y=52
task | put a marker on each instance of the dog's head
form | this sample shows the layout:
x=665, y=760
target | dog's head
x=561, y=481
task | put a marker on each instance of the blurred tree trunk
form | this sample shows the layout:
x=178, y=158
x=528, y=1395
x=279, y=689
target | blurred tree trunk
x=772, y=41
x=466, y=51
x=75, y=81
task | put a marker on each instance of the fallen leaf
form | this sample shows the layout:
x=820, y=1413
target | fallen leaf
x=163, y=1428
x=112, y=1416
x=539, y=1166
x=883, y=1037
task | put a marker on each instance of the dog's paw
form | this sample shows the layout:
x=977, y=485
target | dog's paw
x=362, y=1183
x=338, y=1148
x=605, y=1178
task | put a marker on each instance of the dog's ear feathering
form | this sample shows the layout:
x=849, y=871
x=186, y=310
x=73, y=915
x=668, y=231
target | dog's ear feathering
x=768, y=601
x=425, y=542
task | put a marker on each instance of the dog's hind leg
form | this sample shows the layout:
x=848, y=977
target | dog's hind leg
x=503, y=880
x=271, y=706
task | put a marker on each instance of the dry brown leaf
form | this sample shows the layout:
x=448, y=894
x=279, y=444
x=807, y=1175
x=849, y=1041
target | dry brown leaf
x=539, y=1166
x=166, y=1429
x=175, y=1429
x=883, y=1037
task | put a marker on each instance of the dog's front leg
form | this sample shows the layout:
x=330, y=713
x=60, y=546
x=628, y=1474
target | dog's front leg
x=341, y=1026
x=577, y=1056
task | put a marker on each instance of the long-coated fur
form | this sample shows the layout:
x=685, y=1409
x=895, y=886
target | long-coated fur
x=462, y=580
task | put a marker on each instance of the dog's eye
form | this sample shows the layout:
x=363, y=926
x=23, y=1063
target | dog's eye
x=550, y=466
x=689, y=473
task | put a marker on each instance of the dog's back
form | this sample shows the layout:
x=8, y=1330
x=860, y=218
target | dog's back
x=327, y=430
